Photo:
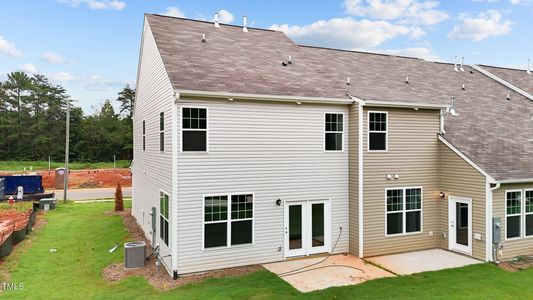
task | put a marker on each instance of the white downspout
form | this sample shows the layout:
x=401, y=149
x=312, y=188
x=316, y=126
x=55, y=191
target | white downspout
x=175, y=147
x=360, y=194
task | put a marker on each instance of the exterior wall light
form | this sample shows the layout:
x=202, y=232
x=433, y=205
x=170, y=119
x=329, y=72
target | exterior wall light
x=442, y=194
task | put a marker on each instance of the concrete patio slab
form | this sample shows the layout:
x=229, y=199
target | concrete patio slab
x=337, y=270
x=422, y=261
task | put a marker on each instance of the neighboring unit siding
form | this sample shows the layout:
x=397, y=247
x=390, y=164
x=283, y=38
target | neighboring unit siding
x=412, y=154
x=274, y=150
x=515, y=247
x=152, y=169
x=354, y=179
x=458, y=178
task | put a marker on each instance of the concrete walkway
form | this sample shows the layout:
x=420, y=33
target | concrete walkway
x=91, y=194
x=337, y=270
x=422, y=261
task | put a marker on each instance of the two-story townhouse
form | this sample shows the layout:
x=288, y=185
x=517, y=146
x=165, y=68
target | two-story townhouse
x=250, y=149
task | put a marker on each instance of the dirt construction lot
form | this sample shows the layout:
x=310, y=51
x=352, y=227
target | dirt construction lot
x=85, y=179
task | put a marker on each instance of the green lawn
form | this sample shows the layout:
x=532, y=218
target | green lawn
x=82, y=235
x=43, y=165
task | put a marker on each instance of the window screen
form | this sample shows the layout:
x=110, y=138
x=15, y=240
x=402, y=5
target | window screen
x=194, y=129
x=513, y=213
x=334, y=127
x=377, y=131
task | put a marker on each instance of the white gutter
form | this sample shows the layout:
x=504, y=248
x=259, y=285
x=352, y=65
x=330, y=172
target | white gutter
x=525, y=180
x=360, y=177
x=174, y=176
x=504, y=82
x=243, y=96
x=404, y=104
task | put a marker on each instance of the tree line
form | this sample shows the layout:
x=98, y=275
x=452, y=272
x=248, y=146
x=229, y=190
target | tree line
x=33, y=120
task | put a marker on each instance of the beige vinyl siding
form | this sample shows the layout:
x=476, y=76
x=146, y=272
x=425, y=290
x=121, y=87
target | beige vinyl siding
x=511, y=248
x=458, y=178
x=412, y=154
x=274, y=150
x=152, y=169
x=354, y=179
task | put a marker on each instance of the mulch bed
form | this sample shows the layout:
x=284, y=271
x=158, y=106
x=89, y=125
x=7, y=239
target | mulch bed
x=158, y=277
x=516, y=265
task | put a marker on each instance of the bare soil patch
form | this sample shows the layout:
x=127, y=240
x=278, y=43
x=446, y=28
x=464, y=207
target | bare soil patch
x=158, y=277
x=521, y=263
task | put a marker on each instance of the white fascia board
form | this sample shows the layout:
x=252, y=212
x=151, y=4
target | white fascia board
x=469, y=161
x=524, y=180
x=504, y=82
x=413, y=105
x=259, y=97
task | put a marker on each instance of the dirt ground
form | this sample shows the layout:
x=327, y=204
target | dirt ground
x=99, y=178
x=158, y=277
x=515, y=266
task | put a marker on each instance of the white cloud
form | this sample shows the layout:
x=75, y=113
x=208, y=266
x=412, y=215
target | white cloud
x=97, y=83
x=404, y=11
x=29, y=68
x=174, y=12
x=344, y=33
x=62, y=77
x=97, y=4
x=9, y=48
x=424, y=53
x=225, y=16
x=486, y=24
x=54, y=58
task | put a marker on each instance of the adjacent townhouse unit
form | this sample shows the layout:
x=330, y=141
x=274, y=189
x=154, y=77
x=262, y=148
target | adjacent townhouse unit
x=251, y=149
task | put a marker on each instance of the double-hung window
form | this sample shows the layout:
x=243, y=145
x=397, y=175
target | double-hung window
x=228, y=220
x=403, y=210
x=144, y=135
x=528, y=205
x=162, y=131
x=334, y=131
x=377, y=131
x=513, y=214
x=163, y=217
x=194, y=129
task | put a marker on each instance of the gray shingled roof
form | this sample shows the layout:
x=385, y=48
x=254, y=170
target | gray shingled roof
x=519, y=78
x=490, y=130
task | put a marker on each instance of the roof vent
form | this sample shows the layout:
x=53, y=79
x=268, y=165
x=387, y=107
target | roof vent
x=455, y=68
x=407, y=79
x=290, y=60
x=451, y=109
x=508, y=96
x=217, y=25
x=348, y=81
x=462, y=64
x=203, y=38
x=528, y=70
x=244, y=24
x=464, y=87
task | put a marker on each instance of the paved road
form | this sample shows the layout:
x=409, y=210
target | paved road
x=90, y=194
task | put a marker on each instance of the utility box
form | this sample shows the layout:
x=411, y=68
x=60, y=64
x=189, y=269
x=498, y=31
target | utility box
x=47, y=204
x=134, y=254
x=496, y=230
x=59, y=182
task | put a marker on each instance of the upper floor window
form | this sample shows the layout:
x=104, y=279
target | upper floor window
x=163, y=217
x=377, y=131
x=403, y=211
x=334, y=132
x=162, y=131
x=144, y=135
x=194, y=129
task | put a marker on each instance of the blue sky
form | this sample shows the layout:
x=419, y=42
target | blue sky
x=91, y=46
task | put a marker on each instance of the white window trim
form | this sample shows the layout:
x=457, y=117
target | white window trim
x=403, y=211
x=324, y=132
x=181, y=129
x=526, y=214
x=162, y=131
x=161, y=215
x=513, y=215
x=368, y=131
x=143, y=135
x=228, y=221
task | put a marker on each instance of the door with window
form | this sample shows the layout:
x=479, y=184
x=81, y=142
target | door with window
x=460, y=224
x=307, y=227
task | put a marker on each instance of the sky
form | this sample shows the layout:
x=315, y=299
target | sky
x=91, y=47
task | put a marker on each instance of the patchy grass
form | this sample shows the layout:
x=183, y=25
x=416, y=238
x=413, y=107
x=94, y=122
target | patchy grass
x=43, y=165
x=83, y=234
x=20, y=206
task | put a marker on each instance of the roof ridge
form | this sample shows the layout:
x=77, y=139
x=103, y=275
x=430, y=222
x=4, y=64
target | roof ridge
x=209, y=22
x=501, y=67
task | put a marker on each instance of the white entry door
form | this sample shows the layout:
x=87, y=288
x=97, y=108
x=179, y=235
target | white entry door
x=460, y=225
x=307, y=227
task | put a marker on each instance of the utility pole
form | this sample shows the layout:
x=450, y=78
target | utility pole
x=67, y=138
